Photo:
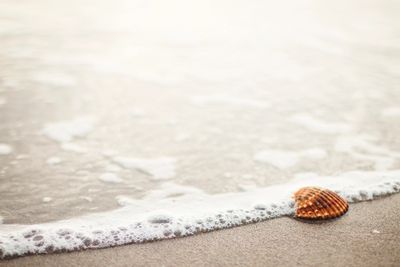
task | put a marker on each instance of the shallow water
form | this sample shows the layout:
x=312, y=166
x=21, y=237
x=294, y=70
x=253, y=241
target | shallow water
x=106, y=104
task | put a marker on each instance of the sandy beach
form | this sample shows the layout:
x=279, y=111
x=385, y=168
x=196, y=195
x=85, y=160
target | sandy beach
x=369, y=235
x=125, y=121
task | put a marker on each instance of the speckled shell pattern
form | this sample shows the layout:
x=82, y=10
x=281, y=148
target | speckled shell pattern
x=314, y=203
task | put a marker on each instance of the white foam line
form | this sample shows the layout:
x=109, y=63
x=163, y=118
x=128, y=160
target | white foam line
x=155, y=218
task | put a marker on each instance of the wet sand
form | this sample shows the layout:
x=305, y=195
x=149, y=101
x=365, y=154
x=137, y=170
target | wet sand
x=213, y=102
x=369, y=235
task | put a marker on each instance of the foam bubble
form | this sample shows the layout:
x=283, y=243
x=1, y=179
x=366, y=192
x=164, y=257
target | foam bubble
x=5, y=149
x=161, y=215
x=160, y=219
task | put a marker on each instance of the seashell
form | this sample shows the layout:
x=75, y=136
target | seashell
x=317, y=203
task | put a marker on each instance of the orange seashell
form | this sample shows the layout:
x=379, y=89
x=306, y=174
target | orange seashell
x=317, y=203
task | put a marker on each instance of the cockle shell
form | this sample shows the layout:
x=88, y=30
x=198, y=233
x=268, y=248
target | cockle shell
x=317, y=203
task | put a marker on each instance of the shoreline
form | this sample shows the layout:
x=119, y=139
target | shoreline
x=126, y=122
x=367, y=235
x=175, y=218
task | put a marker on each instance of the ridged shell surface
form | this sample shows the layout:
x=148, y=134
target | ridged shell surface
x=317, y=203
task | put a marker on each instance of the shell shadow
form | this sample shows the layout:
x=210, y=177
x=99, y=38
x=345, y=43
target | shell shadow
x=319, y=221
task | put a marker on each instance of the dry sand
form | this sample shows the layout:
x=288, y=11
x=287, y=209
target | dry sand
x=369, y=235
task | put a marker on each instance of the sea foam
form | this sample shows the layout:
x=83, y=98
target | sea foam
x=66, y=131
x=177, y=210
x=5, y=149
